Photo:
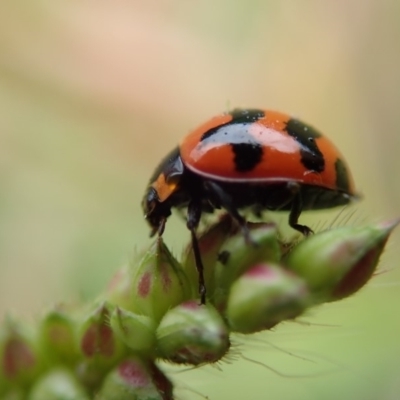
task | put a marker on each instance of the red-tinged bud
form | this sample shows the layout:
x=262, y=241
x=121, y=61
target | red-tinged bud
x=339, y=262
x=210, y=242
x=57, y=336
x=263, y=296
x=158, y=283
x=20, y=357
x=192, y=334
x=99, y=346
x=120, y=288
x=237, y=256
x=136, y=379
x=138, y=332
x=58, y=384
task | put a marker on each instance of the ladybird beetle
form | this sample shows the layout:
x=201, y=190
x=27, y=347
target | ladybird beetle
x=255, y=158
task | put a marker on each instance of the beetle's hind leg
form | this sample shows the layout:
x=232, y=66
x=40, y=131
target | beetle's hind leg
x=297, y=207
x=225, y=201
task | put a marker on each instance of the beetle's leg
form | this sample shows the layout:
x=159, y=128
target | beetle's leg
x=297, y=207
x=193, y=219
x=226, y=202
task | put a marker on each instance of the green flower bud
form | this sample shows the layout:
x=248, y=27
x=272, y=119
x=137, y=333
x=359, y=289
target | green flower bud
x=99, y=346
x=158, y=283
x=192, y=334
x=20, y=358
x=237, y=257
x=339, y=262
x=136, y=379
x=57, y=337
x=59, y=384
x=14, y=394
x=120, y=288
x=263, y=296
x=138, y=332
x=210, y=242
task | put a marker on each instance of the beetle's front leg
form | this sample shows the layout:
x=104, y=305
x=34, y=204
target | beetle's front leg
x=193, y=219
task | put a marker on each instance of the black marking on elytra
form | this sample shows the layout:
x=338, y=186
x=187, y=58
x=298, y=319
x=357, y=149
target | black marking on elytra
x=247, y=155
x=236, y=133
x=242, y=115
x=311, y=156
x=342, y=176
x=239, y=116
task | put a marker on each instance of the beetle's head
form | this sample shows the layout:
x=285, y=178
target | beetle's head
x=159, y=197
x=155, y=212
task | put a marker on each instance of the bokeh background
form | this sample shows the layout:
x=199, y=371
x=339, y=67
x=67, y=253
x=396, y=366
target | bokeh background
x=94, y=93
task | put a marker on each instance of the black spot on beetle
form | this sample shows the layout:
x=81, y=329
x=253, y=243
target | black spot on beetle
x=311, y=156
x=342, y=176
x=247, y=155
x=301, y=129
x=239, y=116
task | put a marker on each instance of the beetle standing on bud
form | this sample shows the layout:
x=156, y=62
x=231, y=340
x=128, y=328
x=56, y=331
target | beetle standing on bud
x=247, y=158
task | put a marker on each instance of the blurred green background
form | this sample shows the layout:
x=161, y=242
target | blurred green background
x=94, y=93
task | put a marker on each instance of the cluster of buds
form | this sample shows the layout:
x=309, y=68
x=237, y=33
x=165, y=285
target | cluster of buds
x=151, y=311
